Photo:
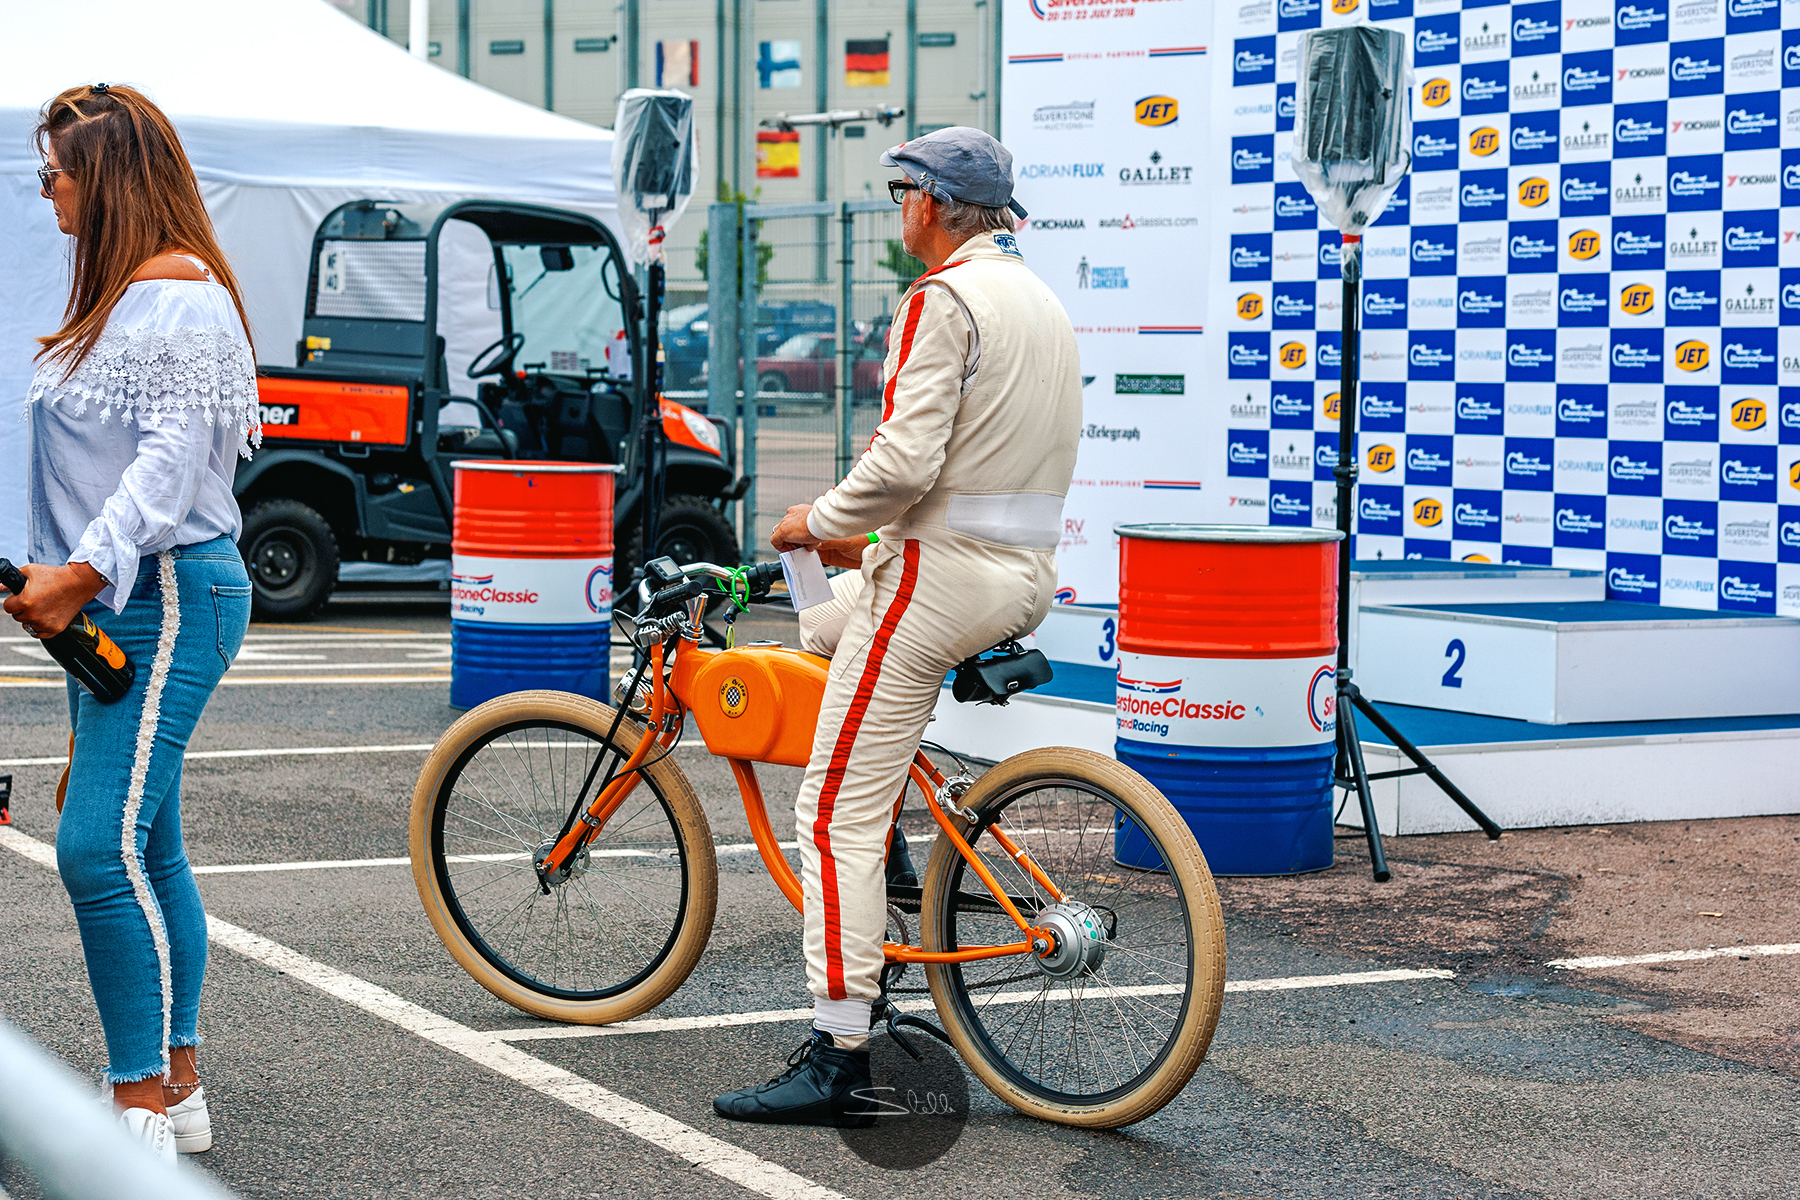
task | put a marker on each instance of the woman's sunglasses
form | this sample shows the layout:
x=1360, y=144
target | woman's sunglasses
x=44, y=181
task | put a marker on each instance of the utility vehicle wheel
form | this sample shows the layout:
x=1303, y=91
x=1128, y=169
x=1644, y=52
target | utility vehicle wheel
x=691, y=531
x=771, y=381
x=292, y=557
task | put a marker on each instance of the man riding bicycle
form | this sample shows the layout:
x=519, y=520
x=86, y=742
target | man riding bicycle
x=949, y=521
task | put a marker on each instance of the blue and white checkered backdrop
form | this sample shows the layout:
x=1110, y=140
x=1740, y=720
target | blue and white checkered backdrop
x=1581, y=310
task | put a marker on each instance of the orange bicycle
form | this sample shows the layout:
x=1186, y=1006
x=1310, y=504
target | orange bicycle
x=567, y=864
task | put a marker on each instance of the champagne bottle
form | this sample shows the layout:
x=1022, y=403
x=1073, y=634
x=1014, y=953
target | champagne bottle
x=83, y=649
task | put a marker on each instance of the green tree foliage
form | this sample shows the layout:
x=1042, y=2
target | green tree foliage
x=901, y=263
x=764, y=251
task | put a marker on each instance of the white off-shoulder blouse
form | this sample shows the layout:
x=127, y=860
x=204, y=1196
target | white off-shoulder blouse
x=134, y=453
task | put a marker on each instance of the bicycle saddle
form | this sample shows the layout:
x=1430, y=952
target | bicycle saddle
x=998, y=673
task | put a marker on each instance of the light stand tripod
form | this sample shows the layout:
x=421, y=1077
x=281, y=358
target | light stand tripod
x=1349, y=770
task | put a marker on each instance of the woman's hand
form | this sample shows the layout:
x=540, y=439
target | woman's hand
x=792, y=533
x=53, y=596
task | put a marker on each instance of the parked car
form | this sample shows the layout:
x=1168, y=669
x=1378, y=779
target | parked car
x=687, y=335
x=807, y=362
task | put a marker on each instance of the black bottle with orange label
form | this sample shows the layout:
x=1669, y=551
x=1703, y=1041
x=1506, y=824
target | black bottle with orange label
x=83, y=649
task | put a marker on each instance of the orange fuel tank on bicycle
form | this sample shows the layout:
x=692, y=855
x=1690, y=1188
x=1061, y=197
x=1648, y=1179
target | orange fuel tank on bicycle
x=756, y=703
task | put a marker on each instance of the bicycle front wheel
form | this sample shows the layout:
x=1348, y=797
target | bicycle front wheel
x=625, y=926
x=1112, y=1024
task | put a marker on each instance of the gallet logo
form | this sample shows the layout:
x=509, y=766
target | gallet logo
x=1484, y=39
x=1584, y=244
x=1436, y=93
x=1293, y=355
x=1533, y=191
x=1250, y=306
x=1637, y=299
x=1156, y=173
x=1428, y=512
x=1382, y=459
x=1156, y=110
x=1693, y=355
x=1749, y=413
x=1484, y=141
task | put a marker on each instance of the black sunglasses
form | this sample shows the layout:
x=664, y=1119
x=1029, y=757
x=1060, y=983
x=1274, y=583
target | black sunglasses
x=44, y=174
x=897, y=189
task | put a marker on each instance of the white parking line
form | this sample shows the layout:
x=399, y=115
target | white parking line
x=331, y=864
x=721, y=1158
x=545, y=1033
x=229, y=681
x=260, y=752
x=1631, y=960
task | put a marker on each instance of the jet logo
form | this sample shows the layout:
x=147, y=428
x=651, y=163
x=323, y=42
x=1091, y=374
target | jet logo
x=1293, y=355
x=1584, y=244
x=1157, y=110
x=1749, y=413
x=1436, y=93
x=1250, y=306
x=1484, y=141
x=1533, y=191
x=1381, y=459
x=1428, y=512
x=1692, y=355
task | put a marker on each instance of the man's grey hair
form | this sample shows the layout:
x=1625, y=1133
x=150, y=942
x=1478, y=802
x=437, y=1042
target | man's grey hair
x=963, y=220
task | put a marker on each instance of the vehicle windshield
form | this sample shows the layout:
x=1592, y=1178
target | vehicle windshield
x=564, y=299
x=807, y=345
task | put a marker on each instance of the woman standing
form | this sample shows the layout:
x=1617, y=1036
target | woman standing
x=142, y=403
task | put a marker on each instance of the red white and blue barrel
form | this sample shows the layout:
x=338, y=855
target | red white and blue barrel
x=530, y=579
x=1227, y=688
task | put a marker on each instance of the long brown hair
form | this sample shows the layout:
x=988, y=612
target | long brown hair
x=136, y=198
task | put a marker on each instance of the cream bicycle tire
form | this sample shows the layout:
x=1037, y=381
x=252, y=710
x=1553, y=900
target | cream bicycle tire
x=1194, y=899
x=685, y=818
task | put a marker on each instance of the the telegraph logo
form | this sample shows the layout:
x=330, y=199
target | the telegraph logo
x=1293, y=355
x=1250, y=306
x=1533, y=191
x=1692, y=355
x=1584, y=244
x=1382, y=458
x=1749, y=413
x=1437, y=93
x=1428, y=512
x=1637, y=299
x=1484, y=141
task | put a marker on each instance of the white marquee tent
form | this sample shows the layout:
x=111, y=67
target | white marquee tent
x=287, y=108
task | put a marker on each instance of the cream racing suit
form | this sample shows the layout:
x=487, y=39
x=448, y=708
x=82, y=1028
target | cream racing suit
x=964, y=481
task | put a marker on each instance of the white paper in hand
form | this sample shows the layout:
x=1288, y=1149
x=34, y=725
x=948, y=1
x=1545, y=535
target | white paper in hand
x=806, y=579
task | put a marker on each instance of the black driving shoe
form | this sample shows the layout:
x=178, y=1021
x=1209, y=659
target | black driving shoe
x=819, y=1087
x=900, y=869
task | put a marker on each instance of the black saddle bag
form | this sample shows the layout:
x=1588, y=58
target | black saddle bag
x=994, y=675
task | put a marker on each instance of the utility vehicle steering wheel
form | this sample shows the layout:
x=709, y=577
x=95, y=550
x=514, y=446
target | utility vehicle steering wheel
x=503, y=352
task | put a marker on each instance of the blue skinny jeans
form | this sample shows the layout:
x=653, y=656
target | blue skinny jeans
x=119, y=846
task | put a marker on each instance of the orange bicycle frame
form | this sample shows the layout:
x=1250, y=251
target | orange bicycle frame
x=779, y=690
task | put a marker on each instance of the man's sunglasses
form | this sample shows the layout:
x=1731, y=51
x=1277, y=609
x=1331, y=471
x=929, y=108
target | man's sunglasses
x=897, y=188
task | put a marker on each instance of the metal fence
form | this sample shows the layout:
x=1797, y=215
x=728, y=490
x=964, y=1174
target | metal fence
x=797, y=342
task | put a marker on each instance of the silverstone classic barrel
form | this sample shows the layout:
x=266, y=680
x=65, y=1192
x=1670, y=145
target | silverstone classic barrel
x=530, y=579
x=1227, y=688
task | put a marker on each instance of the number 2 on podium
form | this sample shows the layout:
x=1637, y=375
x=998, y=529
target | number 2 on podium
x=1460, y=653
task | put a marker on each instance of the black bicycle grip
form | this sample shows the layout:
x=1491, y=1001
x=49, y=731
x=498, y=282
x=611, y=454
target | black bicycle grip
x=11, y=578
x=762, y=578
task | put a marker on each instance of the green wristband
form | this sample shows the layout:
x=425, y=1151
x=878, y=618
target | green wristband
x=874, y=538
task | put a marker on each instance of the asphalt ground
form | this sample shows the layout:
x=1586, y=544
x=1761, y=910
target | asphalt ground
x=349, y=1056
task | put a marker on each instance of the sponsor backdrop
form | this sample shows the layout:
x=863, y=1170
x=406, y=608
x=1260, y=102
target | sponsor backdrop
x=1105, y=112
x=1581, y=312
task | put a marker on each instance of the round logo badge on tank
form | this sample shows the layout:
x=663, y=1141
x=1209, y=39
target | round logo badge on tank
x=1749, y=413
x=734, y=697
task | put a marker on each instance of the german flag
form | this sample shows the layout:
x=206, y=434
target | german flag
x=777, y=154
x=866, y=62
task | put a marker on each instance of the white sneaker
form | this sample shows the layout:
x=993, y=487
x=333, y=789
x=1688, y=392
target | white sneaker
x=192, y=1123
x=152, y=1129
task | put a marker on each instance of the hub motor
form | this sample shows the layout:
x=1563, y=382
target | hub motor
x=1080, y=940
x=573, y=869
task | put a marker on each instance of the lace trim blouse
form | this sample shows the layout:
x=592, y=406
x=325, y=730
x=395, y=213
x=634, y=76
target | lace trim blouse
x=135, y=451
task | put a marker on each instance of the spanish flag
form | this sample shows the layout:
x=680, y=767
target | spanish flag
x=866, y=62
x=777, y=154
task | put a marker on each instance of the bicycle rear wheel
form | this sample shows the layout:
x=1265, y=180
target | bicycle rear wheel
x=626, y=926
x=1113, y=1024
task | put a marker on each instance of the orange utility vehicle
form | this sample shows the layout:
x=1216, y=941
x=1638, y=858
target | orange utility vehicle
x=390, y=388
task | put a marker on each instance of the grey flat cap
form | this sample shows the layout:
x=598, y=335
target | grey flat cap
x=958, y=163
